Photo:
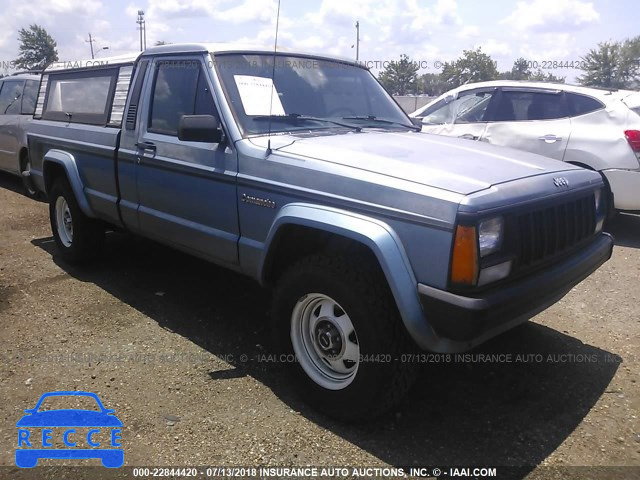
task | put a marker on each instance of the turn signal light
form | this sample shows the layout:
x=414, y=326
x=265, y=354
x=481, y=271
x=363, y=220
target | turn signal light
x=464, y=263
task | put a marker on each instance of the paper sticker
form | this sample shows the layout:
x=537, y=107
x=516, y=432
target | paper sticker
x=258, y=95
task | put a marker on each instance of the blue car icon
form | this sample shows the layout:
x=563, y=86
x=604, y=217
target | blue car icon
x=32, y=448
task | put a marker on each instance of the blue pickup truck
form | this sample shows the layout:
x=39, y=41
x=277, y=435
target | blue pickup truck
x=301, y=172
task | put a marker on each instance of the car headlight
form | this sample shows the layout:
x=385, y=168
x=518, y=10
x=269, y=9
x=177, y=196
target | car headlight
x=490, y=233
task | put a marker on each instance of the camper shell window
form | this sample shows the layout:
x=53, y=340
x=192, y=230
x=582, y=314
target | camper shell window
x=80, y=97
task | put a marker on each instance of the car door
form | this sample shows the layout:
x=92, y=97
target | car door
x=535, y=120
x=186, y=190
x=460, y=115
x=10, y=103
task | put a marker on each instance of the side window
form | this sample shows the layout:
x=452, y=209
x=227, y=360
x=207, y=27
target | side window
x=29, y=97
x=174, y=94
x=204, y=98
x=80, y=97
x=523, y=105
x=468, y=107
x=10, y=98
x=581, y=104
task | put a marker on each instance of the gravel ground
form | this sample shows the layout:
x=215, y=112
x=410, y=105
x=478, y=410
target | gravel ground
x=180, y=350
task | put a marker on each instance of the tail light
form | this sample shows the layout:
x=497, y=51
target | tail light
x=633, y=137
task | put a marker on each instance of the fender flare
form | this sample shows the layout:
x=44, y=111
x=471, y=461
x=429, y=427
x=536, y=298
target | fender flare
x=381, y=239
x=68, y=164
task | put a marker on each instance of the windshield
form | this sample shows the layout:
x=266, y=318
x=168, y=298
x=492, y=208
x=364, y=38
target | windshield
x=306, y=94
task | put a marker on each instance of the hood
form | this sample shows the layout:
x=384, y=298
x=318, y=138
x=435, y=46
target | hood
x=452, y=164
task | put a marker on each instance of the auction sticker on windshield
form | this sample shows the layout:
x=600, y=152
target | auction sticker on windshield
x=254, y=93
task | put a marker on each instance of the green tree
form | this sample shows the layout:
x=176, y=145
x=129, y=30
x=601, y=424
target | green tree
x=472, y=66
x=401, y=77
x=432, y=84
x=540, y=76
x=161, y=42
x=520, y=70
x=37, y=48
x=612, y=64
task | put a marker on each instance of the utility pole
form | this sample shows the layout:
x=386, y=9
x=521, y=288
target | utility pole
x=357, y=41
x=90, y=42
x=141, y=27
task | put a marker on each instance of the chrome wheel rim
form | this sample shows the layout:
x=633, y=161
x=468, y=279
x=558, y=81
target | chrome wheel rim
x=324, y=341
x=64, y=222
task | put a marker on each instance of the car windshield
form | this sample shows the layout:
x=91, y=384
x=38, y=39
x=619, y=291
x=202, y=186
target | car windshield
x=465, y=108
x=298, y=93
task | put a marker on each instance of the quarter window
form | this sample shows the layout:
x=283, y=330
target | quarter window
x=581, y=104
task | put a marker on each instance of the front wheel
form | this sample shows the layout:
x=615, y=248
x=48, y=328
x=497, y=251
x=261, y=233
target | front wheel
x=338, y=321
x=78, y=237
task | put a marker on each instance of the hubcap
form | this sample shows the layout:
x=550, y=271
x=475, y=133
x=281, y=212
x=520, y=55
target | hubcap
x=64, y=222
x=325, y=341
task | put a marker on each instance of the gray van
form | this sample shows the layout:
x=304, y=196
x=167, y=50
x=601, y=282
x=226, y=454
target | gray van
x=18, y=94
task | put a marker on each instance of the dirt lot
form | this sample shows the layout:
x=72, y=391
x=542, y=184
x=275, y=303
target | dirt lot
x=178, y=349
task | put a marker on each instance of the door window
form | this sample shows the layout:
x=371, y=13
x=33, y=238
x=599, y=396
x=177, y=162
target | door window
x=10, y=98
x=526, y=105
x=29, y=97
x=180, y=88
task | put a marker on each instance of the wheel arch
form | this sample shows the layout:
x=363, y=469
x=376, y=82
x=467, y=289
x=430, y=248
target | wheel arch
x=57, y=163
x=339, y=229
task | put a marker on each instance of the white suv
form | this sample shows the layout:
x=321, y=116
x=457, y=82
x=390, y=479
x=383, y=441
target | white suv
x=593, y=128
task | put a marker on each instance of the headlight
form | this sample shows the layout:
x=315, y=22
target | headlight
x=490, y=233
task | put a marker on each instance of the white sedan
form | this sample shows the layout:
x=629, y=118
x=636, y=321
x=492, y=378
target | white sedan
x=594, y=128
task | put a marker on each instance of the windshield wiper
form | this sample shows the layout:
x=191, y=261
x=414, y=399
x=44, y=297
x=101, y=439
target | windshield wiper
x=373, y=118
x=296, y=117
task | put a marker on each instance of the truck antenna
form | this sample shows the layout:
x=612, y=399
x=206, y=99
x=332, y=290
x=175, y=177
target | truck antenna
x=273, y=76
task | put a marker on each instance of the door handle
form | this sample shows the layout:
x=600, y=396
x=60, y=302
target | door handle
x=149, y=147
x=146, y=146
x=468, y=136
x=550, y=139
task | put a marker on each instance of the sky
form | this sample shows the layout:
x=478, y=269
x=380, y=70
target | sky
x=429, y=31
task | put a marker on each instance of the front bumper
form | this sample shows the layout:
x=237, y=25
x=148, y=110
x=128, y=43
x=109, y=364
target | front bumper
x=625, y=186
x=468, y=321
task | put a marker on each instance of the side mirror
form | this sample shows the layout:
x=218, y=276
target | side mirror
x=199, y=128
x=416, y=121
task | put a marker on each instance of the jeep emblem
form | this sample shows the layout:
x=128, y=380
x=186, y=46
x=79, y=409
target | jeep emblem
x=560, y=182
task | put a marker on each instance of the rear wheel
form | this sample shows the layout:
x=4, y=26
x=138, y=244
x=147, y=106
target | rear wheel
x=341, y=334
x=78, y=237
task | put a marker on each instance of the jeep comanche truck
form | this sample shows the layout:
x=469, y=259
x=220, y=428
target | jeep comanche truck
x=301, y=172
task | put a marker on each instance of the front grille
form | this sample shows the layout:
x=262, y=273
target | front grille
x=546, y=232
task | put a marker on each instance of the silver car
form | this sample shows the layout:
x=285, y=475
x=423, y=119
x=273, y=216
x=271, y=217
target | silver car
x=18, y=94
x=592, y=128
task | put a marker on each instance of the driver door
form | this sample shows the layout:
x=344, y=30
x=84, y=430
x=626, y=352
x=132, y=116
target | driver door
x=186, y=190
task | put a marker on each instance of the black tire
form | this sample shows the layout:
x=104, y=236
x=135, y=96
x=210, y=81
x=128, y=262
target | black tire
x=87, y=234
x=27, y=182
x=381, y=379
